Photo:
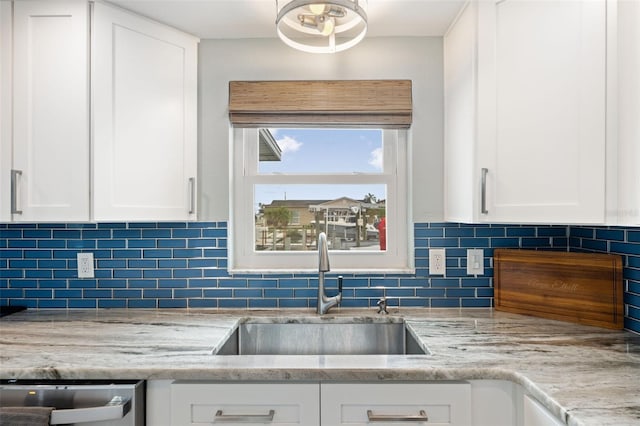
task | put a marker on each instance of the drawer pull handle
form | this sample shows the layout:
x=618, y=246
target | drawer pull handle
x=421, y=417
x=244, y=418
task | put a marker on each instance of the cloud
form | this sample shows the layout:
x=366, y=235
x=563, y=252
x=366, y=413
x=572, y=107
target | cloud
x=288, y=144
x=375, y=158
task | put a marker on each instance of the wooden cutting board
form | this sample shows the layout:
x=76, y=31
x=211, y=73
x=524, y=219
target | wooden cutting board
x=584, y=288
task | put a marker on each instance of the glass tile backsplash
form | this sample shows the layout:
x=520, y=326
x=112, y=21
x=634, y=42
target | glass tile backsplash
x=184, y=265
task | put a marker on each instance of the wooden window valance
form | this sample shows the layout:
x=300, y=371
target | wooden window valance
x=352, y=103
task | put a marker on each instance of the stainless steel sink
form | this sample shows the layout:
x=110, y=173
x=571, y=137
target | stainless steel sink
x=319, y=336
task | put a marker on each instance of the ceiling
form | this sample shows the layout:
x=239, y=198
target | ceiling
x=216, y=19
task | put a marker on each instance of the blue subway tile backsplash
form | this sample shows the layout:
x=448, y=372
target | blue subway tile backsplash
x=184, y=265
x=621, y=241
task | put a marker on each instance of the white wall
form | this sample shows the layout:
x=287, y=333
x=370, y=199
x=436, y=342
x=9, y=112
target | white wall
x=416, y=58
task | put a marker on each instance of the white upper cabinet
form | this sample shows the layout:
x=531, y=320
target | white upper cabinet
x=45, y=119
x=6, y=160
x=107, y=137
x=547, y=159
x=525, y=85
x=144, y=82
x=460, y=106
x=624, y=178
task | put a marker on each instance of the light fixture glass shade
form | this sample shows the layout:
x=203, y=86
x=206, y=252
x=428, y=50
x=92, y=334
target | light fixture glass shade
x=321, y=26
x=317, y=8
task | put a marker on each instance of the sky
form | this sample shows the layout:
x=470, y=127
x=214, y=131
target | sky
x=323, y=151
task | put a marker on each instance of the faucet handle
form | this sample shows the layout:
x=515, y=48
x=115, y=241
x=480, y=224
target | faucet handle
x=382, y=306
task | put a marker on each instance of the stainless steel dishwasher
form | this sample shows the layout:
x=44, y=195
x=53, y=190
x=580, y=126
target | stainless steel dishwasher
x=80, y=402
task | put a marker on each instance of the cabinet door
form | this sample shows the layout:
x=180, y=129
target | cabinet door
x=546, y=161
x=535, y=414
x=460, y=58
x=144, y=82
x=6, y=84
x=627, y=210
x=50, y=110
x=246, y=403
x=396, y=403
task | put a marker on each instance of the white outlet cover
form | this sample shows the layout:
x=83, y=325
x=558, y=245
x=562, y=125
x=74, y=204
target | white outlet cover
x=475, y=262
x=437, y=261
x=85, y=265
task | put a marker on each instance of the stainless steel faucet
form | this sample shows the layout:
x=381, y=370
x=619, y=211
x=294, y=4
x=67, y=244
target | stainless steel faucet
x=325, y=303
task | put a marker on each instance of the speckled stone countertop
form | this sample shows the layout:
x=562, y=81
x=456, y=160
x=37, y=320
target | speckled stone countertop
x=585, y=375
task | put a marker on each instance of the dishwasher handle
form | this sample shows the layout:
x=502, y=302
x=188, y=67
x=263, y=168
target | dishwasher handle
x=115, y=409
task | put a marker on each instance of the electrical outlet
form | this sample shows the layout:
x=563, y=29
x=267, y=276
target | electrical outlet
x=85, y=265
x=475, y=262
x=437, y=261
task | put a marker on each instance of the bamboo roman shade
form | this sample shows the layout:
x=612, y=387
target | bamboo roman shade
x=351, y=103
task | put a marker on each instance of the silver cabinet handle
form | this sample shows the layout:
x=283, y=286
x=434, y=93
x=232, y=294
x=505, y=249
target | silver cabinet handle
x=483, y=194
x=115, y=409
x=192, y=195
x=421, y=417
x=244, y=418
x=14, y=191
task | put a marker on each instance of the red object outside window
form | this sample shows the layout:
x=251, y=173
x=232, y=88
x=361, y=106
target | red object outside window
x=382, y=232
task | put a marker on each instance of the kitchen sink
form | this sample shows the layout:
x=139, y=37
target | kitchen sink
x=320, y=336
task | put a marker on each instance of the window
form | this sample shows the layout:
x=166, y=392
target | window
x=295, y=218
x=289, y=184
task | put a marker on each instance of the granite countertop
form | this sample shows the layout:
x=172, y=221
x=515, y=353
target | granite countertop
x=588, y=375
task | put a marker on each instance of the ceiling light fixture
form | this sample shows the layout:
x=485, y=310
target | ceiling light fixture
x=319, y=26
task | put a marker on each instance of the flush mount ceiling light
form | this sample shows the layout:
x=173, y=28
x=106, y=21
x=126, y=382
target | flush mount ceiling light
x=321, y=26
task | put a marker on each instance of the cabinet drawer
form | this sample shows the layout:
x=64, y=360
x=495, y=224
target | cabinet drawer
x=244, y=403
x=388, y=404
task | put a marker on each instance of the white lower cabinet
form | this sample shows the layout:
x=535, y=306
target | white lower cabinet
x=396, y=403
x=195, y=403
x=463, y=403
x=534, y=414
x=327, y=404
x=496, y=403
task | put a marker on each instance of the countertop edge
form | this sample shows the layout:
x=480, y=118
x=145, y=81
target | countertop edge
x=282, y=374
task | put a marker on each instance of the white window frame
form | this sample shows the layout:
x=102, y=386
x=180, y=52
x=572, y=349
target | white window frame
x=244, y=175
